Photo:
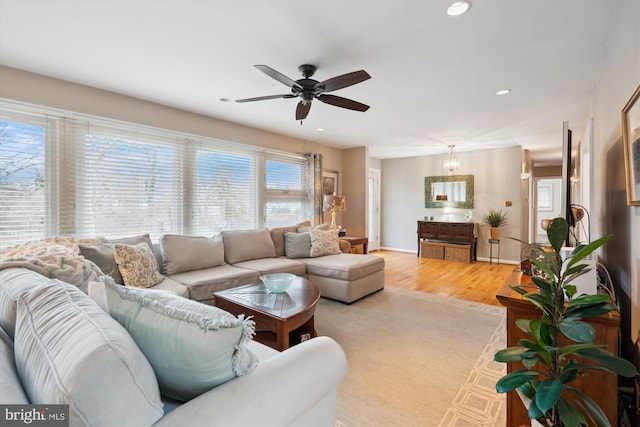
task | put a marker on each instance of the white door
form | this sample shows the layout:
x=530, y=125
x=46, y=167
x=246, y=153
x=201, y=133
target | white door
x=374, y=209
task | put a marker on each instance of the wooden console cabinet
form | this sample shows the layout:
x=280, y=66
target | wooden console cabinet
x=601, y=386
x=449, y=232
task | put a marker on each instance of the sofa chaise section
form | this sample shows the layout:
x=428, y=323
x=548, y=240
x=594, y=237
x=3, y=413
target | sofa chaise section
x=346, y=277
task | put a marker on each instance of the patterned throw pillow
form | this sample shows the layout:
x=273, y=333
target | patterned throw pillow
x=137, y=265
x=324, y=242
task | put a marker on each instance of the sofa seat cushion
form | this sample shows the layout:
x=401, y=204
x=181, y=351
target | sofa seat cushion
x=274, y=265
x=244, y=245
x=69, y=351
x=344, y=266
x=192, y=347
x=203, y=283
x=11, y=392
x=187, y=253
x=168, y=284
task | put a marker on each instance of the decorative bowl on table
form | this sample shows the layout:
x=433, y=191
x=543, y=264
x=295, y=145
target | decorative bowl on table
x=277, y=282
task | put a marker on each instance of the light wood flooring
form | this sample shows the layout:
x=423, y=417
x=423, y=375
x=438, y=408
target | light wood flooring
x=478, y=281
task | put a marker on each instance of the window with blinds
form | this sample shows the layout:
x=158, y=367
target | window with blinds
x=286, y=194
x=126, y=182
x=24, y=183
x=225, y=188
x=85, y=176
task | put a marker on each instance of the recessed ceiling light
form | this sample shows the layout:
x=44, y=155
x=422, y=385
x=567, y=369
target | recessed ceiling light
x=320, y=129
x=503, y=92
x=459, y=7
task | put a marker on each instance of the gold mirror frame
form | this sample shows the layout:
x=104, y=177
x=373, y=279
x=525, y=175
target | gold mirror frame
x=429, y=201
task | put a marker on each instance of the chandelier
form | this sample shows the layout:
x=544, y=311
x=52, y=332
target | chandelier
x=452, y=163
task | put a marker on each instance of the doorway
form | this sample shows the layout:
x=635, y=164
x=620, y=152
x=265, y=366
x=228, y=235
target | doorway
x=548, y=204
x=373, y=188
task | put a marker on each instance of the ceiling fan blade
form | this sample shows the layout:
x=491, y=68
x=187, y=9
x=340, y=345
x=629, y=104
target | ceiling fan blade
x=339, y=101
x=302, y=110
x=344, y=80
x=278, y=76
x=263, y=98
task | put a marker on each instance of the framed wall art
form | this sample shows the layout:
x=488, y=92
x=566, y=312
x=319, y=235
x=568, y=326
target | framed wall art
x=631, y=141
x=330, y=183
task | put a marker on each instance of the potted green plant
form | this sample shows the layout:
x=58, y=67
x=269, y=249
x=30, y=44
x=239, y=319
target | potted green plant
x=549, y=368
x=495, y=219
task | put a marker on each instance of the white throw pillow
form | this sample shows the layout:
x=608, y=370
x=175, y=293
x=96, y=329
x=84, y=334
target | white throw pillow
x=137, y=265
x=69, y=351
x=324, y=242
x=192, y=347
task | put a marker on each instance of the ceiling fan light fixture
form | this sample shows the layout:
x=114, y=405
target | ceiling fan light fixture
x=459, y=7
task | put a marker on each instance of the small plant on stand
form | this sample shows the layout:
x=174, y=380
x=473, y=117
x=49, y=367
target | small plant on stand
x=549, y=368
x=495, y=219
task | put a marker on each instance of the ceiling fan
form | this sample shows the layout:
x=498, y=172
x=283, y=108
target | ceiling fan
x=307, y=89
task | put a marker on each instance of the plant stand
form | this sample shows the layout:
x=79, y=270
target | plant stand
x=491, y=243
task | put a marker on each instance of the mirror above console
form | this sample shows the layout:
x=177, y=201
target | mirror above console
x=449, y=191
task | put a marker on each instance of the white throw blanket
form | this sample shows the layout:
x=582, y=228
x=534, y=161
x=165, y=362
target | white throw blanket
x=56, y=258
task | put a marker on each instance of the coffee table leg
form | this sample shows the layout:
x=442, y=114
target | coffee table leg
x=282, y=337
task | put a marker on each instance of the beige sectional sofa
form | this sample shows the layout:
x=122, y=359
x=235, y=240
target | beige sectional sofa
x=196, y=267
x=58, y=346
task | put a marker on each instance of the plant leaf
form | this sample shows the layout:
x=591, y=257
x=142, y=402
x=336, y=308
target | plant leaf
x=582, y=251
x=574, y=348
x=590, y=310
x=608, y=361
x=541, y=302
x=569, y=415
x=515, y=379
x=523, y=325
x=548, y=393
x=589, y=299
x=592, y=409
x=577, y=331
x=557, y=233
x=509, y=355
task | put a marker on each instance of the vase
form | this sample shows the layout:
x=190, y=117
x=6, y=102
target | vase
x=495, y=233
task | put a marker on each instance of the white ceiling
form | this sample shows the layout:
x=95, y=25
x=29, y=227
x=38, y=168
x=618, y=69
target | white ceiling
x=433, y=82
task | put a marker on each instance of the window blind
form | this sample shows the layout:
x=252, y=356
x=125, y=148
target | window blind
x=127, y=181
x=68, y=174
x=24, y=187
x=225, y=187
x=286, y=192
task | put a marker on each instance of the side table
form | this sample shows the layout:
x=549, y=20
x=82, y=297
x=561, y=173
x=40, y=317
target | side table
x=491, y=243
x=364, y=241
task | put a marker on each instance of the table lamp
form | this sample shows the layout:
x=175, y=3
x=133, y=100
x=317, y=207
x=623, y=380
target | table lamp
x=335, y=204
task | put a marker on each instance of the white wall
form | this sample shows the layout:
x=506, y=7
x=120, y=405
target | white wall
x=402, y=195
x=609, y=212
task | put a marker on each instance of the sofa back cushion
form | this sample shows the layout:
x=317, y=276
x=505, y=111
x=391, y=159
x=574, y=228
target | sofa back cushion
x=188, y=253
x=193, y=347
x=245, y=245
x=13, y=283
x=69, y=351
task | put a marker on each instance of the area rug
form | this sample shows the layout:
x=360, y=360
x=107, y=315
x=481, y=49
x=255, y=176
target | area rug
x=417, y=359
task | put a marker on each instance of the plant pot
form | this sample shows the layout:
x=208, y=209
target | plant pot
x=495, y=233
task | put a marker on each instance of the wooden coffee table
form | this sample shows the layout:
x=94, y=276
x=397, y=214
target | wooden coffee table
x=277, y=316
